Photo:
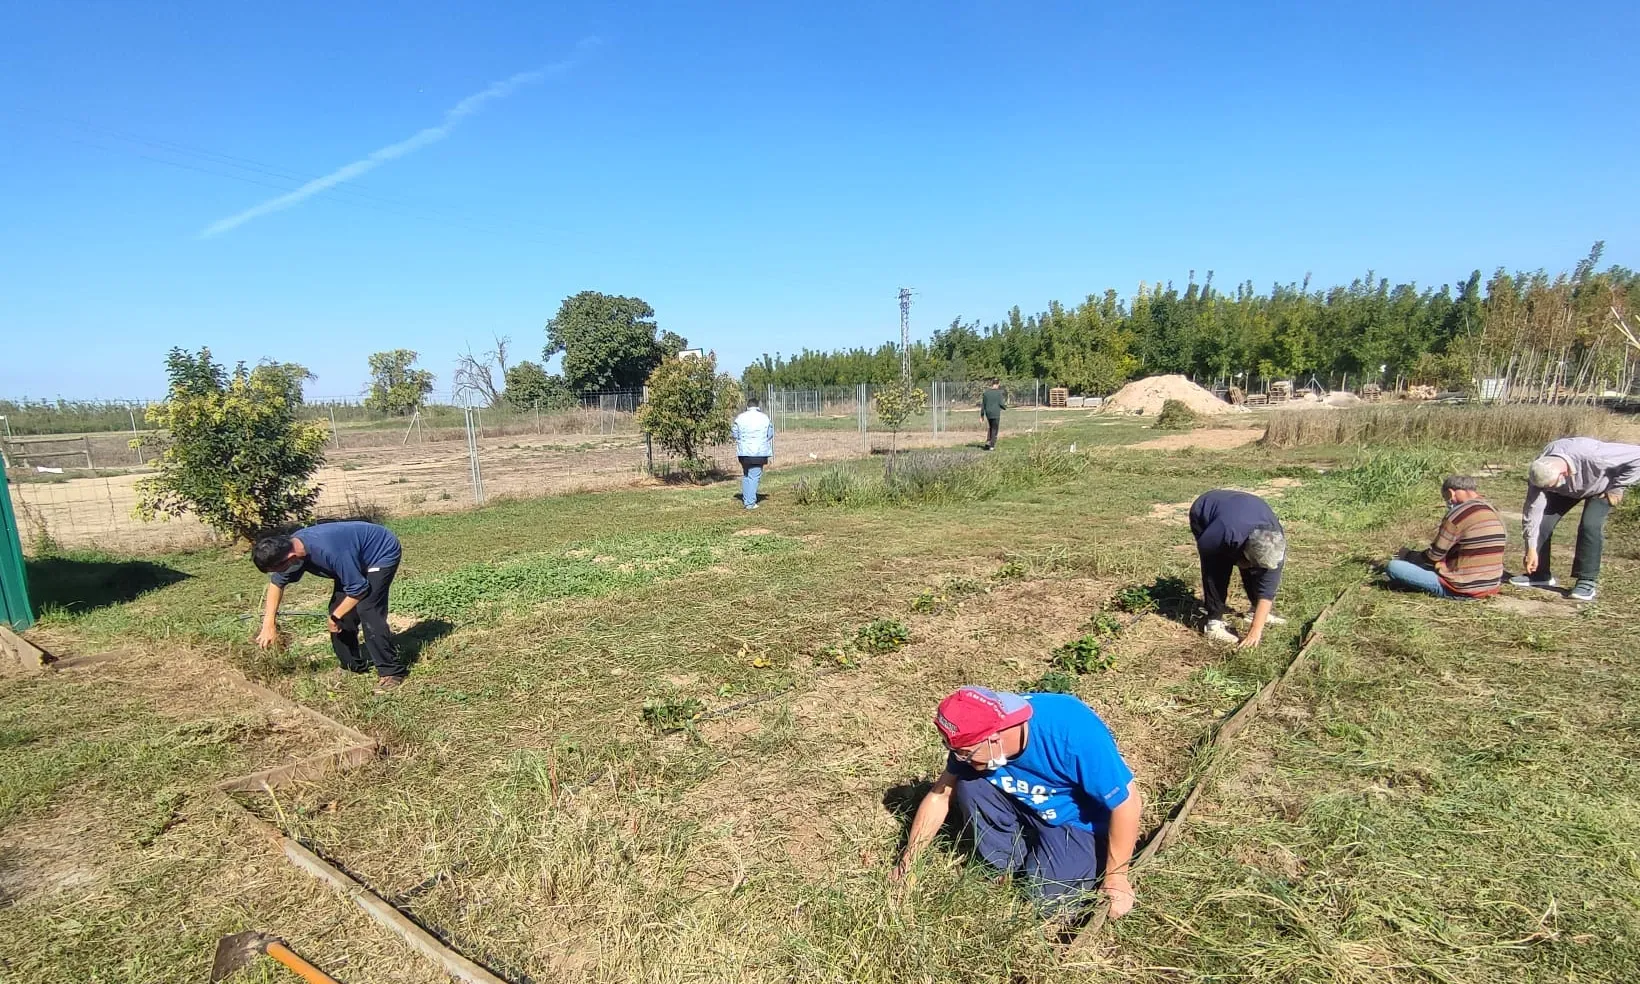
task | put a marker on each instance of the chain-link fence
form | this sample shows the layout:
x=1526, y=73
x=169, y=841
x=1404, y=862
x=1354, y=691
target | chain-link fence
x=82, y=490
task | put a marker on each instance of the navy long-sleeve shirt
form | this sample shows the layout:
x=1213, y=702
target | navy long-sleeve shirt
x=343, y=552
x=1221, y=521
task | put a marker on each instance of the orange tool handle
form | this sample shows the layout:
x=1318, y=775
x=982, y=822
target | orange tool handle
x=300, y=967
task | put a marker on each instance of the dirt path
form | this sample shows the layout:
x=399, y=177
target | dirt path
x=1207, y=439
x=416, y=479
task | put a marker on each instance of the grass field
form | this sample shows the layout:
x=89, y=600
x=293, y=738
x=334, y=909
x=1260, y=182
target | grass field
x=1446, y=793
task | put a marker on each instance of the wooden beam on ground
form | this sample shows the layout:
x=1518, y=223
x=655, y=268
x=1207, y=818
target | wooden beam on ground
x=29, y=657
x=378, y=908
x=1173, y=826
x=306, y=770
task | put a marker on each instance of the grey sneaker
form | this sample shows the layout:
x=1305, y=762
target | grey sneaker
x=1218, y=632
x=1525, y=581
x=1583, y=591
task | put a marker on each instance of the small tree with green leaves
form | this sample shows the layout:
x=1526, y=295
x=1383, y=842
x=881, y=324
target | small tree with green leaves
x=531, y=387
x=897, y=403
x=396, y=385
x=233, y=452
x=690, y=406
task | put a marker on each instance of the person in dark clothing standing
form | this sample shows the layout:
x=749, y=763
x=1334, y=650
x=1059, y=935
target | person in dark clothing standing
x=362, y=559
x=1237, y=530
x=991, y=405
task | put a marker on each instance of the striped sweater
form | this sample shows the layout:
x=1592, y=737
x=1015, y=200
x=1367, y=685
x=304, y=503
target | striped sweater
x=1468, y=549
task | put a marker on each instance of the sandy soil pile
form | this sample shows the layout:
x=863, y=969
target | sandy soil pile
x=1147, y=396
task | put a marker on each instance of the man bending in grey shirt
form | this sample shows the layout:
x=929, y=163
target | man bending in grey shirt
x=1569, y=471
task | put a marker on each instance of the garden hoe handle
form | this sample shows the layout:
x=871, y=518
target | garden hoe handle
x=234, y=953
x=301, y=968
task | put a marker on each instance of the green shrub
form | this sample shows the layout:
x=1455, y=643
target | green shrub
x=672, y=713
x=1052, y=682
x=1084, y=655
x=690, y=406
x=1104, y=625
x=882, y=636
x=233, y=452
x=1176, y=415
x=1134, y=600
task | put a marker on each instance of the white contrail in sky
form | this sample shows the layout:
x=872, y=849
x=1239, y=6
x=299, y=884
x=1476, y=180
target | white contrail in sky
x=377, y=158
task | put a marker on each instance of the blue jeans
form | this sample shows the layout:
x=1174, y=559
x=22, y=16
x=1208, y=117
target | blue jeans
x=751, y=470
x=1059, y=864
x=1405, y=574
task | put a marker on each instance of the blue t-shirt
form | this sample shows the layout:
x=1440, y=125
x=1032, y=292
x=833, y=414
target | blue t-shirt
x=344, y=552
x=1069, y=773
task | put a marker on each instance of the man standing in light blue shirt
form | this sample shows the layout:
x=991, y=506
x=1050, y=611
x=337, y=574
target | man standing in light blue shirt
x=1042, y=790
x=754, y=444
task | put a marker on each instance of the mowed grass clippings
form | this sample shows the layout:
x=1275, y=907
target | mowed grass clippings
x=531, y=814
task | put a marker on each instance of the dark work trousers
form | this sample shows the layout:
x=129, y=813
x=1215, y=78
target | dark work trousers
x=1059, y=865
x=992, y=425
x=371, y=613
x=1591, y=535
x=1216, y=586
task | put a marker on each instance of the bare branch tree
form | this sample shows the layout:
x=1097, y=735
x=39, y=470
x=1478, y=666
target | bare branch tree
x=482, y=379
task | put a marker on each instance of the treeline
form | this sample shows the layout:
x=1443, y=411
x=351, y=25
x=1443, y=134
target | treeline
x=1509, y=325
x=25, y=417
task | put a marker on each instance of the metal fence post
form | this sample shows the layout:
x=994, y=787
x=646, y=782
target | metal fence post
x=860, y=407
x=334, y=434
x=472, y=458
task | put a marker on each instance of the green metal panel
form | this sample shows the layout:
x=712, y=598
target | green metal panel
x=14, y=603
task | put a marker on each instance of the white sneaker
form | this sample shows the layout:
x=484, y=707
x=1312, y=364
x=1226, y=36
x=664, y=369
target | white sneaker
x=1218, y=632
x=1525, y=581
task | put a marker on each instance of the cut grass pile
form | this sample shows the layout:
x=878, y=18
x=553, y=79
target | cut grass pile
x=1503, y=427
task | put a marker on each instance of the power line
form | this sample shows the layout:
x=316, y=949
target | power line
x=905, y=335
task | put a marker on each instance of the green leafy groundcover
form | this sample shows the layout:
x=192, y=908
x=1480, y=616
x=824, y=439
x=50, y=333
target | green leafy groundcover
x=589, y=569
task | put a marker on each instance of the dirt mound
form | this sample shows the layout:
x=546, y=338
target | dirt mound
x=1147, y=395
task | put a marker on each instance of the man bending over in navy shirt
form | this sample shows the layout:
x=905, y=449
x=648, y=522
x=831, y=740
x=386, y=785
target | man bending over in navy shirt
x=362, y=559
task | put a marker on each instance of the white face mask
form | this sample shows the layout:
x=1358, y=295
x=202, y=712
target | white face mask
x=997, y=760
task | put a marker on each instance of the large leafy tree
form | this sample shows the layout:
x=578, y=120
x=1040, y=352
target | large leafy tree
x=690, y=406
x=608, y=342
x=396, y=385
x=232, y=450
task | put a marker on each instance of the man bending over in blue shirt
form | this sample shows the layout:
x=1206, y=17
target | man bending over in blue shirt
x=1039, y=785
x=362, y=559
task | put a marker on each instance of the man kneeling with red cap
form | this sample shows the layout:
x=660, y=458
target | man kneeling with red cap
x=1041, y=790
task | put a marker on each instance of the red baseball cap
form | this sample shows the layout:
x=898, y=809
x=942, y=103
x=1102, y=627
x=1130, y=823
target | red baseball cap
x=974, y=714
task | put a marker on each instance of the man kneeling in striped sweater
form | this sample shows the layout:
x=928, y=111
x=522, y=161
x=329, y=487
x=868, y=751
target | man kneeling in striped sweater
x=1466, y=558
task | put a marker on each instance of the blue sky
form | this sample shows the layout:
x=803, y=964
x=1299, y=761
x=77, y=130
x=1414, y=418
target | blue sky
x=766, y=175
